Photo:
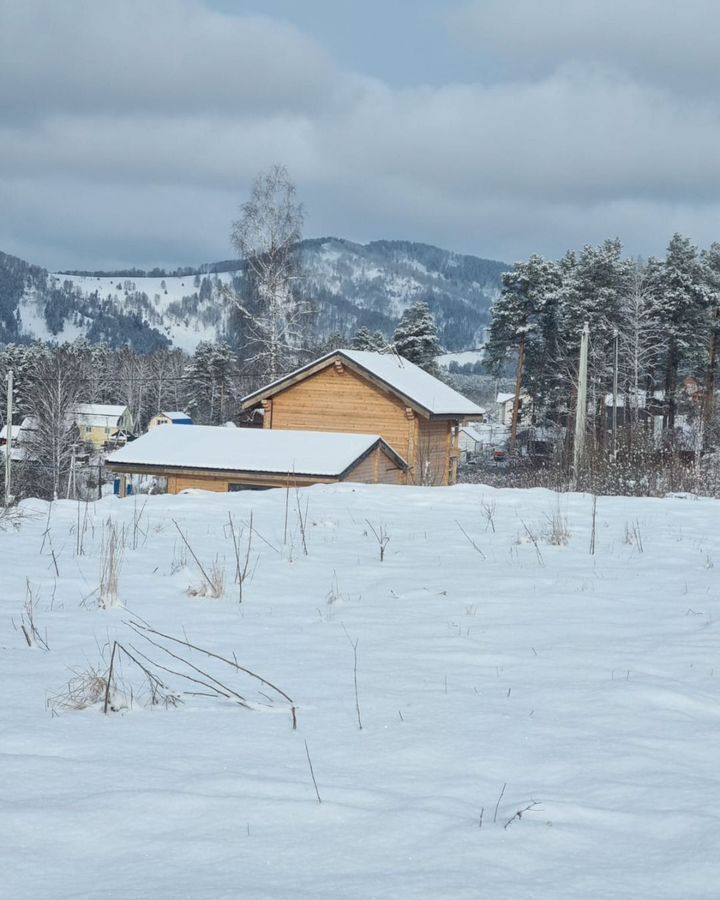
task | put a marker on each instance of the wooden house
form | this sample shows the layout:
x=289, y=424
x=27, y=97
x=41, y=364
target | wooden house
x=174, y=417
x=225, y=459
x=102, y=423
x=356, y=391
x=504, y=405
x=469, y=441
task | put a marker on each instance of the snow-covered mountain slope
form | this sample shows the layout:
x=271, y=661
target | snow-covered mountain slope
x=538, y=722
x=349, y=284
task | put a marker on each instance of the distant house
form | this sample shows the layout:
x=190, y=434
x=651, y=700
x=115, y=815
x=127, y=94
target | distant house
x=22, y=440
x=213, y=458
x=504, y=407
x=14, y=434
x=470, y=441
x=102, y=423
x=174, y=417
x=356, y=391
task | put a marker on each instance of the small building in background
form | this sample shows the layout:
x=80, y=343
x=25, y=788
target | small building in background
x=102, y=423
x=23, y=438
x=214, y=458
x=470, y=441
x=504, y=408
x=174, y=417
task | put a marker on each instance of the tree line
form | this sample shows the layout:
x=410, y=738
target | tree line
x=661, y=315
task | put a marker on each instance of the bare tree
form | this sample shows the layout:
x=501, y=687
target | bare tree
x=266, y=236
x=643, y=340
x=53, y=387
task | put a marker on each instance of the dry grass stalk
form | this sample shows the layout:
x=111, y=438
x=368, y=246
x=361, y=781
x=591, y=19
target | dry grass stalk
x=381, y=536
x=470, y=540
x=488, y=510
x=27, y=620
x=214, y=577
x=241, y=566
x=556, y=531
x=84, y=690
x=213, y=585
x=155, y=637
x=110, y=560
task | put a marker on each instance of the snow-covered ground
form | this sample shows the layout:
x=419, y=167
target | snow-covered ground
x=516, y=674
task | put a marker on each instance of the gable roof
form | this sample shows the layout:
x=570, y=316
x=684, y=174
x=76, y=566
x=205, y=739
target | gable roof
x=98, y=414
x=420, y=390
x=472, y=433
x=177, y=415
x=211, y=447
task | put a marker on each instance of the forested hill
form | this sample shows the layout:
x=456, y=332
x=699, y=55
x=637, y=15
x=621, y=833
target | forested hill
x=350, y=284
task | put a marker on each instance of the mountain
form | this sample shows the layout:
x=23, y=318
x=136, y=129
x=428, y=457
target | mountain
x=350, y=284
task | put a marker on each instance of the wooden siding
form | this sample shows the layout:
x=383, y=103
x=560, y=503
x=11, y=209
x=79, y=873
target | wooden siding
x=332, y=400
x=221, y=483
x=433, y=453
x=376, y=468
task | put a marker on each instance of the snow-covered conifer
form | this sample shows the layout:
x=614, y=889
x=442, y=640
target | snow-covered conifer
x=416, y=339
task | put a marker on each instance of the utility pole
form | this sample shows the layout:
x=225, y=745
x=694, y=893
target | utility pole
x=615, y=392
x=71, y=476
x=581, y=408
x=8, y=444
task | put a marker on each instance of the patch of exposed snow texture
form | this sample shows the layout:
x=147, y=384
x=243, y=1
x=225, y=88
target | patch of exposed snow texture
x=586, y=685
x=246, y=450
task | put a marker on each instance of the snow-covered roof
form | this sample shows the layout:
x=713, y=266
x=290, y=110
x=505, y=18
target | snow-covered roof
x=100, y=414
x=504, y=398
x=470, y=431
x=177, y=415
x=4, y=432
x=249, y=450
x=411, y=382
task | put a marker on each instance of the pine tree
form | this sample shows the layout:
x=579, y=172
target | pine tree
x=375, y=341
x=210, y=378
x=524, y=322
x=593, y=285
x=711, y=268
x=680, y=305
x=416, y=338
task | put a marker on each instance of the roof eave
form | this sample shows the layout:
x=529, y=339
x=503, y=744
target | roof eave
x=160, y=469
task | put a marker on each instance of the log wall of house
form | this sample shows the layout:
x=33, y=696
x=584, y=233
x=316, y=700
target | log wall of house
x=376, y=468
x=433, y=452
x=332, y=400
x=221, y=483
x=338, y=399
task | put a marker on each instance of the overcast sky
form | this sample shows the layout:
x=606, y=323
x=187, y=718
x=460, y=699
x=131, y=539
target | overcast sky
x=130, y=130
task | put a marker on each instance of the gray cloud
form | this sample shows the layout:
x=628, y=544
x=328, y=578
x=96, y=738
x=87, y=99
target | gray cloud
x=662, y=40
x=130, y=132
x=168, y=56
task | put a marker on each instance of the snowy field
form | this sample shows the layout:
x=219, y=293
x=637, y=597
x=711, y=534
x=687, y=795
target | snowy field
x=537, y=721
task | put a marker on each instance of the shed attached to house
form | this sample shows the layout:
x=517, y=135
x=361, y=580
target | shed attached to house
x=212, y=458
x=356, y=391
